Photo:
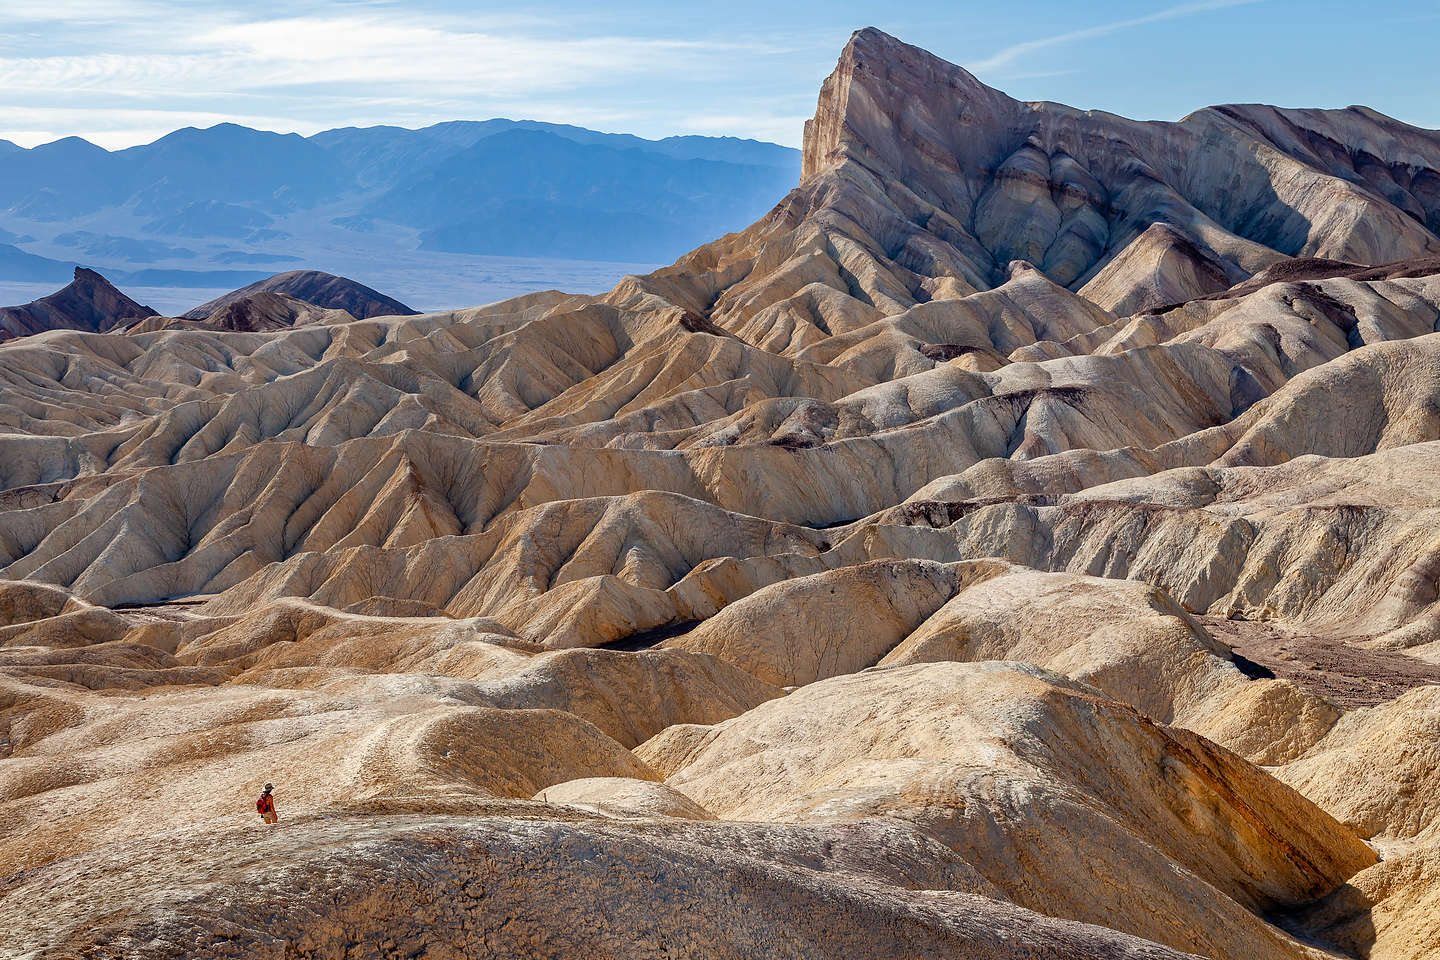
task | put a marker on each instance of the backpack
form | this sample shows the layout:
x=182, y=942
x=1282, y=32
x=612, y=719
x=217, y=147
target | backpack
x=263, y=804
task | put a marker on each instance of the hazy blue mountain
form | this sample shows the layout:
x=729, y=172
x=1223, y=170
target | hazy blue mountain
x=209, y=218
x=378, y=202
x=16, y=264
x=532, y=193
x=108, y=247
x=534, y=228
x=239, y=256
x=232, y=164
x=225, y=163
x=159, y=277
x=724, y=149
x=54, y=181
x=379, y=156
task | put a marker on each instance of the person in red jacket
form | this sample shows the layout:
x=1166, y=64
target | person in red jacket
x=266, y=804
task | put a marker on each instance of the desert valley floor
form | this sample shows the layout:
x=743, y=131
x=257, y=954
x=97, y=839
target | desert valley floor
x=1023, y=542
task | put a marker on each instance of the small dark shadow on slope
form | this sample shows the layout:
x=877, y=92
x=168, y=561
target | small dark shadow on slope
x=1250, y=668
x=645, y=639
x=1342, y=921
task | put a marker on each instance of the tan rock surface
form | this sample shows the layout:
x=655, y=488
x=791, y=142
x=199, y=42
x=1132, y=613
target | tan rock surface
x=543, y=890
x=969, y=753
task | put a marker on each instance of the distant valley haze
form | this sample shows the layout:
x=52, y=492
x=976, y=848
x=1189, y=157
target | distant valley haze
x=448, y=215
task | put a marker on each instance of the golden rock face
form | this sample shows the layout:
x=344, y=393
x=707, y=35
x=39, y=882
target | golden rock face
x=1020, y=543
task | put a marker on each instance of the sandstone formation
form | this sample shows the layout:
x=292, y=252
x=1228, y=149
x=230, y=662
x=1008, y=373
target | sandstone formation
x=1020, y=543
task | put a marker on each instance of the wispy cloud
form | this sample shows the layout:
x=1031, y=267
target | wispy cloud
x=323, y=64
x=1009, y=55
x=81, y=11
x=365, y=51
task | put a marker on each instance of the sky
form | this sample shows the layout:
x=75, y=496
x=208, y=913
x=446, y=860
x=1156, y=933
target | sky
x=123, y=72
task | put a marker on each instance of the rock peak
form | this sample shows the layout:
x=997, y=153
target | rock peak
x=93, y=279
x=974, y=179
x=860, y=108
x=89, y=302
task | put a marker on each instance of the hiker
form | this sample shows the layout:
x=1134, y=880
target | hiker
x=266, y=804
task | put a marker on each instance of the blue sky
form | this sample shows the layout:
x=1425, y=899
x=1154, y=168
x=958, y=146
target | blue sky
x=121, y=72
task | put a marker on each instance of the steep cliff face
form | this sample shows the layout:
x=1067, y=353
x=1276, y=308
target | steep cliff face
x=1070, y=191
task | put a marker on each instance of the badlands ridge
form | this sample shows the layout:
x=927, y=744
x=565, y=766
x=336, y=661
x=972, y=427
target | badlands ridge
x=1024, y=542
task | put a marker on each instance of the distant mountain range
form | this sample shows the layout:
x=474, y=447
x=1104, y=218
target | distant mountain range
x=197, y=201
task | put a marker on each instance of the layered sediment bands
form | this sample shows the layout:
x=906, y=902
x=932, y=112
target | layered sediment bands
x=1019, y=543
x=919, y=755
